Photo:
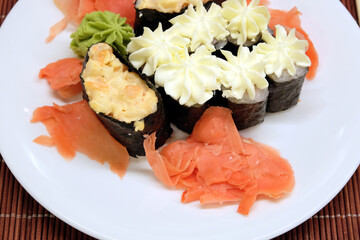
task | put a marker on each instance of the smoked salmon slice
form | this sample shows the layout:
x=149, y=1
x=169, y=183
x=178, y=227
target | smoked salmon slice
x=75, y=127
x=64, y=76
x=217, y=165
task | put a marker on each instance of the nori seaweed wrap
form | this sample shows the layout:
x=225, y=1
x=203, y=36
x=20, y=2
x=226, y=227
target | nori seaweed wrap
x=286, y=65
x=112, y=99
x=285, y=94
x=151, y=16
x=249, y=114
x=182, y=116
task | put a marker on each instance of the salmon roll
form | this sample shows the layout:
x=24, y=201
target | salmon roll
x=127, y=104
x=244, y=87
x=286, y=66
x=149, y=13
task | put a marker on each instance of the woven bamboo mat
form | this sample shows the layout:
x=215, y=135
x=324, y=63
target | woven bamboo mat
x=21, y=217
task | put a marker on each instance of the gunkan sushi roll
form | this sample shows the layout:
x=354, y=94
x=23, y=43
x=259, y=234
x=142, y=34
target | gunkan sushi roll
x=286, y=65
x=128, y=106
x=149, y=13
x=246, y=22
x=244, y=87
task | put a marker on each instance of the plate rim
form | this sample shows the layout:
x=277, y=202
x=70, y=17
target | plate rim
x=80, y=227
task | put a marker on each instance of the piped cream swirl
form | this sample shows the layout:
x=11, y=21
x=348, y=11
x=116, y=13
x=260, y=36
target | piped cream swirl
x=246, y=22
x=190, y=79
x=201, y=26
x=242, y=74
x=285, y=51
x=155, y=48
x=166, y=6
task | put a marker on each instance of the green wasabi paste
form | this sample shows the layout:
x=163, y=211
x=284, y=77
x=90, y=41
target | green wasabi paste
x=101, y=27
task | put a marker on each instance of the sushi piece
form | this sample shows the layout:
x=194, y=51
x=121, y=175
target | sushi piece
x=291, y=19
x=149, y=13
x=245, y=22
x=128, y=105
x=244, y=87
x=189, y=83
x=286, y=65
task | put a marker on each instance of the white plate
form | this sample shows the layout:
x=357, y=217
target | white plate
x=319, y=137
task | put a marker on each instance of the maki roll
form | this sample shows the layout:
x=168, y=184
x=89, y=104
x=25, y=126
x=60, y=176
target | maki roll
x=244, y=87
x=286, y=65
x=189, y=83
x=246, y=22
x=128, y=105
x=149, y=13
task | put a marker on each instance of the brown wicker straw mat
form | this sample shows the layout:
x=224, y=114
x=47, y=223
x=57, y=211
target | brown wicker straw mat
x=21, y=217
x=5, y=7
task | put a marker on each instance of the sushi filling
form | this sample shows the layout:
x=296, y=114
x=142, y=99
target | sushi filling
x=115, y=91
x=285, y=76
x=284, y=55
x=165, y=6
x=286, y=67
x=260, y=96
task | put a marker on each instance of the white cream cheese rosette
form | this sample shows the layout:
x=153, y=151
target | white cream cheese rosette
x=190, y=79
x=201, y=26
x=166, y=6
x=154, y=48
x=283, y=52
x=246, y=22
x=242, y=74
